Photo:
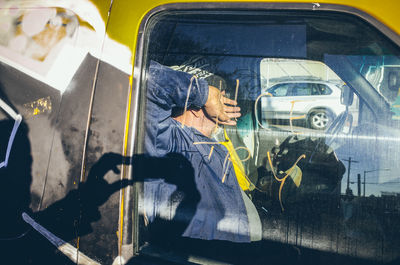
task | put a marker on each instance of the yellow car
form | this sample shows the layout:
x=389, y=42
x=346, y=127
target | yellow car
x=101, y=161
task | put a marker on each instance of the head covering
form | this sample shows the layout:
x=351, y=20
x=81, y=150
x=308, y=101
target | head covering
x=198, y=66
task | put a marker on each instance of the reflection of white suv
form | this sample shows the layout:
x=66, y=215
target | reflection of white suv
x=316, y=101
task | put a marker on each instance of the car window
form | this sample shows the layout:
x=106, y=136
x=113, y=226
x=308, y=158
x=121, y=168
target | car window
x=303, y=89
x=280, y=90
x=295, y=171
x=321, y=89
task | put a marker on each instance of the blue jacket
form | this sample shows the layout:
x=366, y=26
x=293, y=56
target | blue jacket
x=220, y=213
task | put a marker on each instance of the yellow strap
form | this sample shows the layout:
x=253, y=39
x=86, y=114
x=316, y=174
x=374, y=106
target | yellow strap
x=240, y=172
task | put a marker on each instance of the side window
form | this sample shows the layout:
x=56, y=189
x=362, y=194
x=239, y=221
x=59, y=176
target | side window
x=290, y=162
x=280, y=90
x=321, y=89
x=303, y=89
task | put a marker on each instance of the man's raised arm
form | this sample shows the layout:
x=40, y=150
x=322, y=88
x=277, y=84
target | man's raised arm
x=168, y=88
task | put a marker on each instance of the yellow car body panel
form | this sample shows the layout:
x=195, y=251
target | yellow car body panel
x=126, y=15
x=115, y=35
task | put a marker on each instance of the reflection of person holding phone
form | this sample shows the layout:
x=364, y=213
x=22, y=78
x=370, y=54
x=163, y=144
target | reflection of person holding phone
x=182, y=113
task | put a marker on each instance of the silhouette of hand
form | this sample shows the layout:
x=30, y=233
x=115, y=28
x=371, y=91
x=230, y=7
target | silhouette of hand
x=96, y=191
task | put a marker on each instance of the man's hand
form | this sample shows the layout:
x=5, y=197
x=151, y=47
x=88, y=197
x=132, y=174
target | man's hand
x=220, y=108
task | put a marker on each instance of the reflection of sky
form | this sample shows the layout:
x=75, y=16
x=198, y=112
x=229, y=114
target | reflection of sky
x=377, y=181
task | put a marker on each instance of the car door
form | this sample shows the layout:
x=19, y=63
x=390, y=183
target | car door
x=301, y=98
x=305, y=178
x=61, y=109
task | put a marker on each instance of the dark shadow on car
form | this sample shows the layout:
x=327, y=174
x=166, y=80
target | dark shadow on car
x=70, y=217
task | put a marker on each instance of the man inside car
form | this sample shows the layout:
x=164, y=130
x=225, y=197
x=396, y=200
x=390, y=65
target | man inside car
x=182, y=112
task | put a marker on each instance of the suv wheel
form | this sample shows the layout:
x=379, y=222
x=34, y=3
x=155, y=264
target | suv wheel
x=319, y=119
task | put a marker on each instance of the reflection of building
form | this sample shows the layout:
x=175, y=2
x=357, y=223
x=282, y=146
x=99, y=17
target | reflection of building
x=274, y=69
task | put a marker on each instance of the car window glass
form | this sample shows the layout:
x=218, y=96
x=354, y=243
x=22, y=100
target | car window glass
x=280, y=90
x=314, y=90
x=295, y=159
x=323, y=89
x=302, y=89
x=381, y=72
